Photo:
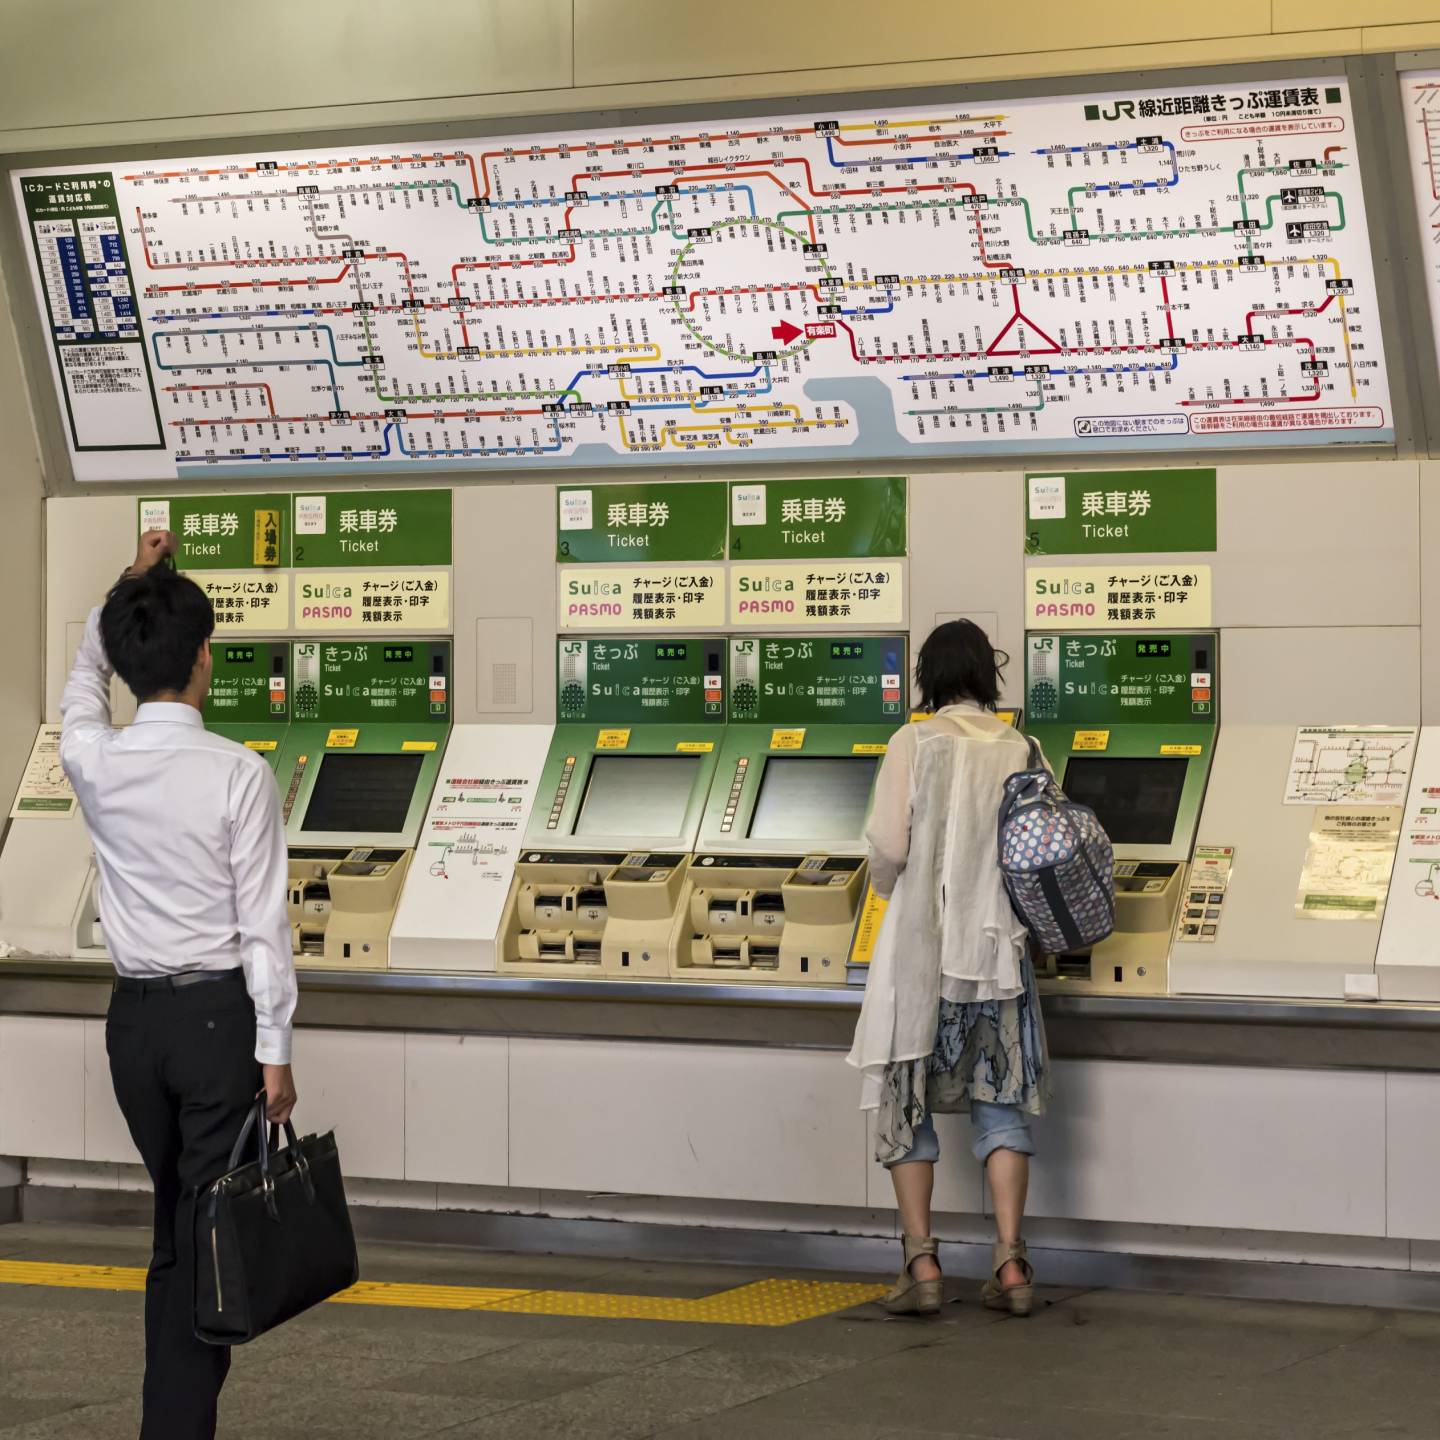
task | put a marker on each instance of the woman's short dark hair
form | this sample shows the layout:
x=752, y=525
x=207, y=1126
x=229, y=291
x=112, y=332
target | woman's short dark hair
x=153, y=626
x=958, y=662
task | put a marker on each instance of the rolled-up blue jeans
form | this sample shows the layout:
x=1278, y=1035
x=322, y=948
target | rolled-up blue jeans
x=997, y=1127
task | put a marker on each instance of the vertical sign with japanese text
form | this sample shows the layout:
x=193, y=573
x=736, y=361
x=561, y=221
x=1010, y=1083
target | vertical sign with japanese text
x=639, y=523
x=1119, y=512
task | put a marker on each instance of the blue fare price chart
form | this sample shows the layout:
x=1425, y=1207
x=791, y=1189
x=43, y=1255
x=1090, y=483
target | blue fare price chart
x=1171, y=269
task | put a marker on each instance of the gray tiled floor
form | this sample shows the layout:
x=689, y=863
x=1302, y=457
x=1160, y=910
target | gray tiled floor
x=1096, y=1363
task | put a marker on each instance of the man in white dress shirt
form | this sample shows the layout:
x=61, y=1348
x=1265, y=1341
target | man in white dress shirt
x=190, y=850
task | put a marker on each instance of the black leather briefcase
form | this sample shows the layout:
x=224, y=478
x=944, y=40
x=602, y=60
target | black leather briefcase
x=273, y=1236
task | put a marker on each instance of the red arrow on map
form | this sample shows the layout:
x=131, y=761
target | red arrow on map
x=785, y=332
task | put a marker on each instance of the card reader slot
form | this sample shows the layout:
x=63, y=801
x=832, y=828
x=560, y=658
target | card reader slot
x=764, y=957
x=1075, y=967
x=554, y=950
x=586, y=951
x=728, y=955
x=590, y=895
x=767, y=900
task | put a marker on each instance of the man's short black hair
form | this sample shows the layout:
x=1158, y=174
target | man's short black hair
x=958, y=662
x=153, y=626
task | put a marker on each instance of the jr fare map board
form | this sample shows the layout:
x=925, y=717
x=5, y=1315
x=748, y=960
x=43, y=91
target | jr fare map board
x=1159, y=269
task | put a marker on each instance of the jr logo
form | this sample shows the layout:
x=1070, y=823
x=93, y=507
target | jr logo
x=1118, y=110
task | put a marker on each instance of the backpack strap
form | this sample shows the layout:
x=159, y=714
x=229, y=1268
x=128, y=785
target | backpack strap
x=1034, y=749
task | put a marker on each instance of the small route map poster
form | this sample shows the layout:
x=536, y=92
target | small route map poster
x=1168, y=269
x=1350, y=765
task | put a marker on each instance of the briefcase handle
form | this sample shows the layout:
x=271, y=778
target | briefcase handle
x=255, y=1124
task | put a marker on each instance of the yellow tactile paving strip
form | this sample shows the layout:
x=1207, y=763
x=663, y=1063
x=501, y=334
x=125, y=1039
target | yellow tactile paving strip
x=764, y=1303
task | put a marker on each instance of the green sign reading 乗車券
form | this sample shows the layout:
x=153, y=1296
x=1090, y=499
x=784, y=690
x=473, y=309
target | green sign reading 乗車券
x=785, y=519
x=377, y=528
x=222, y=532
x=1102, y=512
x=600, y=523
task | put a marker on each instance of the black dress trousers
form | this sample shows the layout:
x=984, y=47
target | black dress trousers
x=185, y=1073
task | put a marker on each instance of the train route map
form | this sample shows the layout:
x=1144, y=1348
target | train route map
x=1350, y=765
x=1168, y=269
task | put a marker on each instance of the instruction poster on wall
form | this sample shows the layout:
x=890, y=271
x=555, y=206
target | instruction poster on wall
x=1346, y=873
x=44, y=788
x=1412, y=922
x=1350, y=765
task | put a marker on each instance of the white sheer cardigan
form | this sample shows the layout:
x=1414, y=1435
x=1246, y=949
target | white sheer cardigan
x=949, y=932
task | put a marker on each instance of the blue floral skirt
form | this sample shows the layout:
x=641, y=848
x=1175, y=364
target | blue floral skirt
x=989, y=1050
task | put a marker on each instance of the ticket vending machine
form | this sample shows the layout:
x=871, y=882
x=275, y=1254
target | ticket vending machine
x=780, y=874
x=599, y=881
x=1128, y=723
x=369, y=724
x=249, y=699
x=1408, y=961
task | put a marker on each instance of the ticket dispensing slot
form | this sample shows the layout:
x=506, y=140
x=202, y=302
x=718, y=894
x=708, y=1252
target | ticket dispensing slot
x=355, y=790
x=780, y=878
x=1128, y=724
x=597, y=890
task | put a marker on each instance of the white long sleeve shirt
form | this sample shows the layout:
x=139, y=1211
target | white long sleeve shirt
x=188, y=842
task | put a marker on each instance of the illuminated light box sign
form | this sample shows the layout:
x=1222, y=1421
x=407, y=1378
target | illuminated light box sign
x=645, y=522
x=361, y=682
x=386, y=528
x=417, y=601
x=642, y=680
x=650, y=597
x=798, y=679
x=1120, y=512
x=828, y=594
x=777, y=519
x=1107, y=679
x=1132, y=597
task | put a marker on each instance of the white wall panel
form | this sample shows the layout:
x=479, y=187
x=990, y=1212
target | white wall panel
x=1221, y=1146
x=1333, y=543
x=353, y=1082
x=457, y=1119
x=725, y=1122
x=1412, y=1127
x=966, y=533
x=107, y=1137
x=42, y=1087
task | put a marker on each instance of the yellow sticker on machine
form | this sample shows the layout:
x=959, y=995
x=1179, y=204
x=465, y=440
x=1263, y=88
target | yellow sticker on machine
x=420, y=745
x=787, y=739
x=266, y=547
x=869, y=748
x=613, y=740
x=694, y=747
x=262, y=745
x=868, y=930
x=1182, y=749
x=341, y=739
x=1091, y=740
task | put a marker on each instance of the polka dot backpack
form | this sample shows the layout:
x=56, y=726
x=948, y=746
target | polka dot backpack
x=1057, y=862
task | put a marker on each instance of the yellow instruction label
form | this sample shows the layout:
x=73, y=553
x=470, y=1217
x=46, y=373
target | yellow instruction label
x=266, y=548
x=420, y=745
x=695, y=747
x=1182, y=749
x=869, y=748
x=262, y=745
x=868, y=930
x=1091, y=740
x=613, y=740
x=341, y=739
x=787, y=739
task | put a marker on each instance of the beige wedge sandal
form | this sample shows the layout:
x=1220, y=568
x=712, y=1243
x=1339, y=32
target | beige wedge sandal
x=911, y=1296
x=1017, y=1299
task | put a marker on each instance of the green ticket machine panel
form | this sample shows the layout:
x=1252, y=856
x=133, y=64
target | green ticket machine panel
x=597, y=889
x=1128, y=722
x=249, y=699
x=369, y=721
x=780, y=874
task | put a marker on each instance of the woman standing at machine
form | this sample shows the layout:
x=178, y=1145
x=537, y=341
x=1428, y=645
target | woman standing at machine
x=951, y=1020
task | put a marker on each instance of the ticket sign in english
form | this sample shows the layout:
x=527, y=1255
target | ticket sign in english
x=1120, y=512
